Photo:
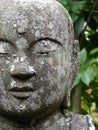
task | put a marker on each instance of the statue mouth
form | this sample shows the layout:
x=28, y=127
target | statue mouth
x=21, y=92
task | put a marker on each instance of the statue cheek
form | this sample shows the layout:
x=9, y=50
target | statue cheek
x=5, y=65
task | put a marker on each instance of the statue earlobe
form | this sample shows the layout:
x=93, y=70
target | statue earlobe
x=73, y=71
x=75, y=60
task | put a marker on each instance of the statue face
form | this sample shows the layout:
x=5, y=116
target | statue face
x=34, y=64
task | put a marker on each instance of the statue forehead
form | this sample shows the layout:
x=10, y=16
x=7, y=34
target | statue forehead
x=46, y=18
x=27, y=4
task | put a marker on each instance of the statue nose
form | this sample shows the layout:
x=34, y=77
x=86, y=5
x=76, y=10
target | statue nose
x=22, y=71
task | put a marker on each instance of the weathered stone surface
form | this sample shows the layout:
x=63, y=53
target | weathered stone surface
x=78, y=122
x=39, y=61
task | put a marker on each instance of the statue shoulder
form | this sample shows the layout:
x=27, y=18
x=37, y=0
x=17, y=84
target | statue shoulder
x=79, y=122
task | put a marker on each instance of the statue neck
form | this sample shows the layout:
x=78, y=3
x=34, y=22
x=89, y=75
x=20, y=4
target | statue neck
x=56, y=121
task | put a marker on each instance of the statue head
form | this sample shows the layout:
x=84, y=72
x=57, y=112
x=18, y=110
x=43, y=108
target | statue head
x=39, y=58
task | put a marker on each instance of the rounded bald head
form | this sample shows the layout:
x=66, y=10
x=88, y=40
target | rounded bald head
x=37, y=50
x=42, y=18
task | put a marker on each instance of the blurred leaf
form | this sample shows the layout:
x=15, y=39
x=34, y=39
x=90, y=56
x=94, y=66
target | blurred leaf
x=79, y=25
x=85, y=105
x=85, y=78
x=94, y=51
x=64, y=2
x=77, y=80
x=74, y=17
x=83, y=56
x=94, y=61
x=78, y=6
x=90, y=73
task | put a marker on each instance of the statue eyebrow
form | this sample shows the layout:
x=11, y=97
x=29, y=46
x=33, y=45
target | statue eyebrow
x=46, y=38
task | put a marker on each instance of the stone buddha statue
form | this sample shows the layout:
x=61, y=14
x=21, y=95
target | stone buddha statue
x=39, y=59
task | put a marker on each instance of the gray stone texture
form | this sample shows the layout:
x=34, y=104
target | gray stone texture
x=39, y=59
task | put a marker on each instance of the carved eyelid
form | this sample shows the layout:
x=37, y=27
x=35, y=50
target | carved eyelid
x=42, y=52
x=7, y=41
x=44, y=39
x=8, y=44
x=45, y=46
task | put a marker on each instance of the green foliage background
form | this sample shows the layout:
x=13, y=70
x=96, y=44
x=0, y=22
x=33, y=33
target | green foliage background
x=84, y=14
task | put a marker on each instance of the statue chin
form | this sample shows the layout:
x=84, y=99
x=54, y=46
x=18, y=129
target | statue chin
x=23, y=114
x=22, y=117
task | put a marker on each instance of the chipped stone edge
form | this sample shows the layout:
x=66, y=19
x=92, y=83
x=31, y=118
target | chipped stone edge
x=90, y=123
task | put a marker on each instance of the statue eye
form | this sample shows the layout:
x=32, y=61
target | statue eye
x=5, y=48
x=45, y=47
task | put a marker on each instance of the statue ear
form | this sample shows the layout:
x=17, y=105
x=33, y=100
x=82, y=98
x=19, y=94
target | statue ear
x=73, y=71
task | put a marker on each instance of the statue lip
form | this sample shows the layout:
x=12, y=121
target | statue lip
x=21, y=89
x=21, y=92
